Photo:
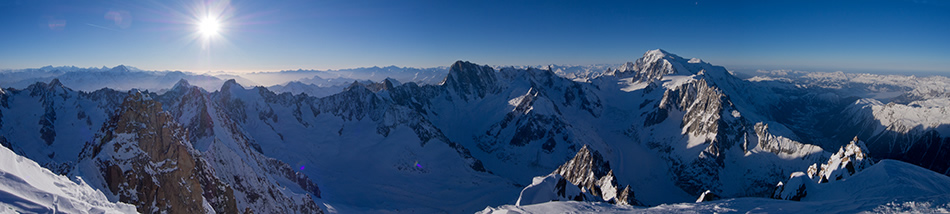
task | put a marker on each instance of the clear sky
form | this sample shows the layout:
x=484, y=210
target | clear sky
x=270, y=35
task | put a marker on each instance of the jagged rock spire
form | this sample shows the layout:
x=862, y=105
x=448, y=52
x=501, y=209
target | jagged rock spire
x=589, y=173
x=849, y=159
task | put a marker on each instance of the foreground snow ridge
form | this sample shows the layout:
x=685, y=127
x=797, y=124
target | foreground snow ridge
x=886, y=187
x=25, y=187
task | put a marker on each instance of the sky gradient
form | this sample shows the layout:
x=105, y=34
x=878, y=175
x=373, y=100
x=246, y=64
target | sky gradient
x=859, y=36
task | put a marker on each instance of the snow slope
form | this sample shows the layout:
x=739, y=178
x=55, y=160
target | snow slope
x=366, y=154
x=25, y=187
x=886, y=187
x=923, y=204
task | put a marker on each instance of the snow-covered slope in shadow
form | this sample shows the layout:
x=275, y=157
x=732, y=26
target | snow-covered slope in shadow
x=26, y=187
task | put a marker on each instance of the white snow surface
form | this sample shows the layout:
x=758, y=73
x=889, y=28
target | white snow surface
x=25, y=187
x=923, y=204
x=878, y=86
x=887, y=187
x=926, y=114
x=543, y=189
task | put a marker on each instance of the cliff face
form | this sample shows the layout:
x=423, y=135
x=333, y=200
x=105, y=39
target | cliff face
x=259, y=183
x=145, y=159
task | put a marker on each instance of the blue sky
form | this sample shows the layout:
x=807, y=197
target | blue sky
x=891, y=36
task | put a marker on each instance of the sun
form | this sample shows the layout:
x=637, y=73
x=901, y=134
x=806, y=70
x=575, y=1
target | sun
x=209, y=22
x=209, y=26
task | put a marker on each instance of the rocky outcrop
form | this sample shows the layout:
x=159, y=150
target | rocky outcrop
x=144, y=158
x=794, y=189
x=586, y=177
x=707, y=196
x=850, y=159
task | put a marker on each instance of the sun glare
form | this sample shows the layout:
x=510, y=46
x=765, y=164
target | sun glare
x=209, y=23
x=208, y=27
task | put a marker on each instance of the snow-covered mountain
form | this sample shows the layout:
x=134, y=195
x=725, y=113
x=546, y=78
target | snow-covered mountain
x=127, y=146
x=319, y=87
x=236, y=158
x=421, y=76
x=120, y=77
x=662, y=129
x=580, y=73
x=899, y=117
x=142, y=157
x=521, y=123
x=318, y=83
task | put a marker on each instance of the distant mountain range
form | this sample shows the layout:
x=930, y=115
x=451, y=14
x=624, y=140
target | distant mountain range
x=654, y=135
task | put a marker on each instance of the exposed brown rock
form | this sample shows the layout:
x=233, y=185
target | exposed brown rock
x=147, y=161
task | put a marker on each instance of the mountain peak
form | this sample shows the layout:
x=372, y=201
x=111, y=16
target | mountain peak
x=182, y=83
x=55, y=83
x=387, y=85
x=467, y=78
x=229, y=84
x=120, y=68
x=657, y=52
x=583, y=163
x=652, y=66
x=53, y=87
x=355, y=85
x=589, y=171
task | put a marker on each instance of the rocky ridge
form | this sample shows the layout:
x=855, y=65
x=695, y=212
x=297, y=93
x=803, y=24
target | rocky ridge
x=849, y=160
x=586, y=177
x=145, y=159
